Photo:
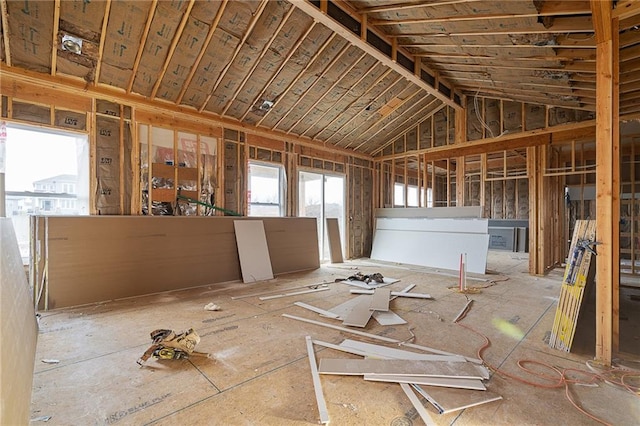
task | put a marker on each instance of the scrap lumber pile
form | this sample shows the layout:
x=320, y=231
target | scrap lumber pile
x=448, y=382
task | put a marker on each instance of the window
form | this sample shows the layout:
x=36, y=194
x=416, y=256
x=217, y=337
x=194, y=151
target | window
x=52, y=156
x=398, y=195
x=266, y=189
x=412, y=196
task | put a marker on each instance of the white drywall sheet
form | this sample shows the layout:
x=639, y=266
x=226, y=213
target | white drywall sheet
x=431, y=249
x=255, y=262
x=467, y=226
x=333, y=236
x=468, y=211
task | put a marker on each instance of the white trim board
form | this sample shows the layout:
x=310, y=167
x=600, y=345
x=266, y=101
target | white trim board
x=317, y=386
x=392, y=353
x=450, y=400
x=422, y=411
x=317, y=310
x=251, y=239
x=447, y=382
x=394, y=293
x=360, y=367
x=380, y=338
x=431, y=249
x=295, y=293
x=388, y=318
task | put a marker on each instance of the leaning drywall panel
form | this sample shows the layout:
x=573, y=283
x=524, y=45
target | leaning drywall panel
x=431, y=249
x=19, y=332
x=255, y=262
x=99, y=258
x=431, y=212
x=469, y=226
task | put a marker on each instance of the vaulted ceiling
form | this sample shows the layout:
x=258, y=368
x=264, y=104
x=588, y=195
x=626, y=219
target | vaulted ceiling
x=352, y=74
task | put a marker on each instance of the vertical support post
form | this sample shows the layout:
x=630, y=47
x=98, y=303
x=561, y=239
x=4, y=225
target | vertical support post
x=607, y=176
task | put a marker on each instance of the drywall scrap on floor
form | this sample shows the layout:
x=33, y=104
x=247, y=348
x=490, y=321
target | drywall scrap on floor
x=19, y=332
x=435, y=243
x=99, y=258
x=253, y=251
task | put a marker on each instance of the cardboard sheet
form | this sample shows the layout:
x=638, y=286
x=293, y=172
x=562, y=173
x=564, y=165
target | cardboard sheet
x=255, y=262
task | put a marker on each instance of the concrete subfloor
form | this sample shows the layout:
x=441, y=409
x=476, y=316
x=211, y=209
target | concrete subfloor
x=259, y=373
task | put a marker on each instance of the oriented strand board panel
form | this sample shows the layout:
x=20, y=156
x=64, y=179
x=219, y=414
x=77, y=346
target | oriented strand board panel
x=19, y=332
x=99, y=258
x=333, y=236
x=255, y=262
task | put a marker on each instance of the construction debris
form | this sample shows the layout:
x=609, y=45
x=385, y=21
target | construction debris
x=212, y=307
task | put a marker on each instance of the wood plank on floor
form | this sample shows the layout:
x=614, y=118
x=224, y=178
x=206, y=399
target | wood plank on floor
x=398, y=367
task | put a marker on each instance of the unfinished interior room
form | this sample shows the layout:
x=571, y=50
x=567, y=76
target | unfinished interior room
x=356, y=212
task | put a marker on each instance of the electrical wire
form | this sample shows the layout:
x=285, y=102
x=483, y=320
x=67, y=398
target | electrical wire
x=559, y=377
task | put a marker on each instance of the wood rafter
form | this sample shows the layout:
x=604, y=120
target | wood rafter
x=245, y=36
x=54, y=47
x=329, y=90
x=383, y=117
x=145, y=33
x=5, y=31
x=563, y=133
x=389, y=87
x=326, y=20
x=292, y=51
x=312, y=61
x=207, y=41
x=103, y=38
x=428, y=110
x=569, y=68
x=337, y=59
x=560, y=25
x=265, y=50
x=394, y=7
x=172, y=48
x=344, y=95
x=566, y=8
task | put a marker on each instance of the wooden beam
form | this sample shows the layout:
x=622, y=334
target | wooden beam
x=407, y=6
x=103, y=38
x=293, y=82
x=172, y=48
x=556, y=134
x=354, y=39
x=56, y=26
x=207, y=41
x=626, y=9
x=563, y=8
x=145, y=33
x=5, y=31
x=257, y=62
x=254, y=20
x=14, y=80
x=607, y=149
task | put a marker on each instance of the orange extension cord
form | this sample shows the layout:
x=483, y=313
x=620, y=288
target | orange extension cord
x=560, y=377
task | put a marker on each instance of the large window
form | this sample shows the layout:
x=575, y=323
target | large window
x=266, y=193
x=47, y=173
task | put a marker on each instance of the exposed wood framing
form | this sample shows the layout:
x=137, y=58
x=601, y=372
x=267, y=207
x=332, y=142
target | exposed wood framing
x=56, y=26
x=245, y=36
x=103, y=37
x=5, y=31
x=172, y=48
x=337, y=28
x=607, y=176
x=147, y=27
